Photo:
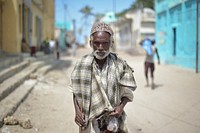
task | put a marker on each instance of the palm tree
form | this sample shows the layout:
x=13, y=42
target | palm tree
x=143, y=3
x=139, y=4
x=87, y=11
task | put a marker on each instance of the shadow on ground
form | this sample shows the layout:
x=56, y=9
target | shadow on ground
x=156, y=86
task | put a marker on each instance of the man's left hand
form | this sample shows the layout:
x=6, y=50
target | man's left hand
x=117, y=111
x=120, y=108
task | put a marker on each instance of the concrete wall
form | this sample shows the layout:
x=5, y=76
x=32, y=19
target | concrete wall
x=143, y=24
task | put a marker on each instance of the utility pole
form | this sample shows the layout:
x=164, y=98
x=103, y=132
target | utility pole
x=65, y=13
x=74, y=27
x=114, y=10
x=197, y=34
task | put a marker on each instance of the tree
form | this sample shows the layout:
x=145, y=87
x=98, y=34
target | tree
x=138, y=4
x=143, y=4
x=87, y=11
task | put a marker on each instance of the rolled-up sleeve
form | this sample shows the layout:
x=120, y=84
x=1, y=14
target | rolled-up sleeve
x=126, y=92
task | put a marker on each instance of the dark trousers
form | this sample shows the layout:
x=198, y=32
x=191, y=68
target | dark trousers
x=148, y=66
x=33, y=51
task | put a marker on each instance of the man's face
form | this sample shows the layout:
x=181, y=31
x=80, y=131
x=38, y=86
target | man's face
x=101, y=44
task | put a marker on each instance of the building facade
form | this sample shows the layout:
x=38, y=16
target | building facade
x=134, y=26
x=124, y=34
x=29, y=20
x=176, y=32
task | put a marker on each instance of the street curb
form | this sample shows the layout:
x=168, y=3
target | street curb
x=6, y=73
x=10, y=60
x=13, y=101
x=9, y=85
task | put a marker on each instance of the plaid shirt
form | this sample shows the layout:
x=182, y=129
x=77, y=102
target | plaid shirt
x=97, y=93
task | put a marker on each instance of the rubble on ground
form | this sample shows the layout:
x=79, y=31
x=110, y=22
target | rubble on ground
x=25, y=123
x=10, y=120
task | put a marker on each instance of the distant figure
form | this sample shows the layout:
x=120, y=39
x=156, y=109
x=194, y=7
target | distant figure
x=24, y=46
x=52, y=45
x=74, y=47
x=57, y=50
x=33, y=49
x=150, y=49
x=46, y=46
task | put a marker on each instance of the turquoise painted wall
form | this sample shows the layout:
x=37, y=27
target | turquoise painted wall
x=176, y=32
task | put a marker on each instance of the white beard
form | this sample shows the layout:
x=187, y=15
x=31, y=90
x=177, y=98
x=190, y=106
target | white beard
x=99, y=56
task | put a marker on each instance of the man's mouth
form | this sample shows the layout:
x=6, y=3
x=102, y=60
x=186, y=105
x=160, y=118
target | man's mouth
x=101, y=53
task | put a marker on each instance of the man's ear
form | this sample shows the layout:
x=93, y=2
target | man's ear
x=91, y=44
x=112, y=43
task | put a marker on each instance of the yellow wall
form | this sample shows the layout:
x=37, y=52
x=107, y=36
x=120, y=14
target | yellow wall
x=46, y=14
x=35, y=12
x=48, y=22
x=10, y=42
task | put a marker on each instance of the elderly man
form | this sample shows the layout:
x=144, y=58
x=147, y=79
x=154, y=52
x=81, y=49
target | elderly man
x=102, y=84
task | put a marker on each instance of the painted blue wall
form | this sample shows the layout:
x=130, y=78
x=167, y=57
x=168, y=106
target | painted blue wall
x=176, y=32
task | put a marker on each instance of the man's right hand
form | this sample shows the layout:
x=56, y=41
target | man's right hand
x=79, y=118
x=79, y=115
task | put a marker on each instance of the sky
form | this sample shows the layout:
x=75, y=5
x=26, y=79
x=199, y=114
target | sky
x=68, y=10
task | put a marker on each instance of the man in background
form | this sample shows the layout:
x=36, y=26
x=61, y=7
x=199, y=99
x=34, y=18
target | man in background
x=149, y=46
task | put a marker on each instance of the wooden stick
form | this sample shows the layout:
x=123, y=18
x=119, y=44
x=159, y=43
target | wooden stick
x=81, y=109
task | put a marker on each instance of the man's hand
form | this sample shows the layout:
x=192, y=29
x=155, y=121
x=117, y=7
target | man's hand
x=79, y=118
x=120, y=108
x=117, y=111
x=79, y=115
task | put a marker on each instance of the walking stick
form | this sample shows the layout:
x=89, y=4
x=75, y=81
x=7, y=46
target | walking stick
x=81, y=109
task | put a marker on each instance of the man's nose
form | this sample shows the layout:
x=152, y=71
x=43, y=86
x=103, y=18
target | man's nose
x=101, y=46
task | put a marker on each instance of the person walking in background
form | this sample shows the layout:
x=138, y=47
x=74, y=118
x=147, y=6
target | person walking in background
x=33, y=50
x=24, y=46
x=57, y=50
x=74, y=47
x=52, y=45
x=102, y=84
x=151, y=50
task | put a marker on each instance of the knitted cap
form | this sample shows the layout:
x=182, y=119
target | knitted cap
x=101, y=26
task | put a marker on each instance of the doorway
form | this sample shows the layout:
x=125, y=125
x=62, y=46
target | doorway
x=174, y=41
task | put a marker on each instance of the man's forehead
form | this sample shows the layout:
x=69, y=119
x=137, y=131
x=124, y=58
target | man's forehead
x=101, y=35
x=101, y=26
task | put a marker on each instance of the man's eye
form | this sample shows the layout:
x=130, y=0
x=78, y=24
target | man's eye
x=105, y=43
x=96, y=43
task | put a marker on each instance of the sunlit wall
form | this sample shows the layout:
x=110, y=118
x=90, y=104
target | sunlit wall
x=176, y=32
